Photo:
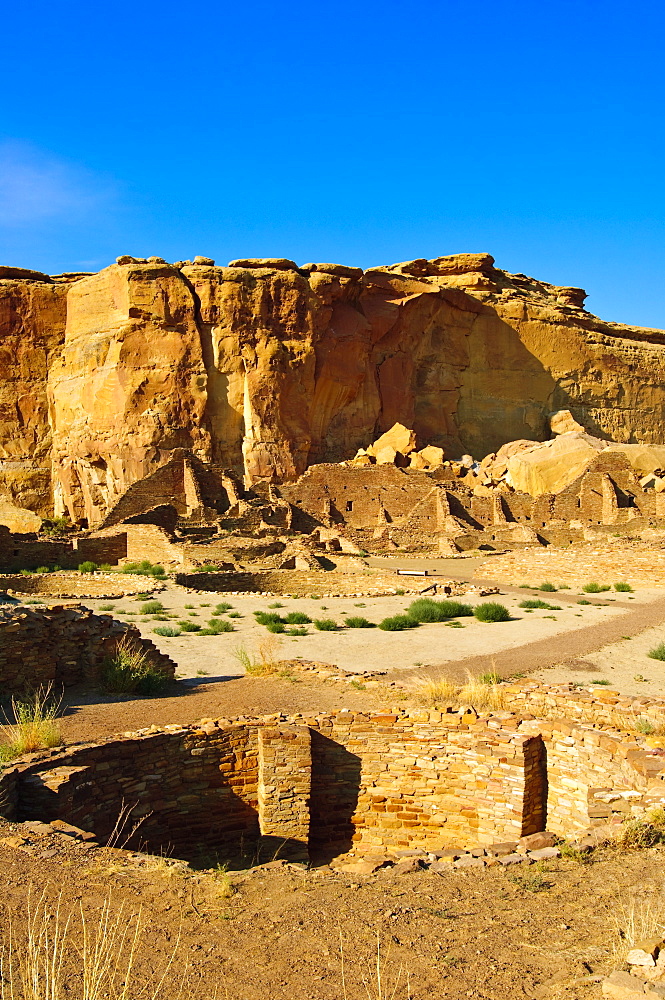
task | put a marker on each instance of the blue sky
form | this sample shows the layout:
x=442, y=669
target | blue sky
x=363, y=133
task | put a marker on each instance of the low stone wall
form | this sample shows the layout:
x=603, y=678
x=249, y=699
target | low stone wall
x=640, y=564
x=74, y=585
x=327, y=784
x=63, y=646
x=301, y=583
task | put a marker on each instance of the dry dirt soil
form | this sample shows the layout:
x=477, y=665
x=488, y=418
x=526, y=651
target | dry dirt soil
x=281, y=931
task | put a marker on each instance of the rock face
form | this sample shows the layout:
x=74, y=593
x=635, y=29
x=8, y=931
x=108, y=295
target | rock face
x=265, y=368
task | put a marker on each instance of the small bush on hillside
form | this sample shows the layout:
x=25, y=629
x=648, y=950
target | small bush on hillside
x=645, y=831
x=595, y=588
x=87, y=567
x=151, y=608
x=491, y=611
x=547, y=587
x=43, y=569
x=166, y=630
x=56, y=526
x=426, y=610
x=355, y=621
x=186, y=626
x=539, y=605
x=129, y=671
x=297, y=618
x=325, y=625
x=658, y=652
x=623, y=588
x=398, y=623
x=222, y=607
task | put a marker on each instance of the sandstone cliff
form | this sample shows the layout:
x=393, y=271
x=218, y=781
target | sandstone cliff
x=266, y=368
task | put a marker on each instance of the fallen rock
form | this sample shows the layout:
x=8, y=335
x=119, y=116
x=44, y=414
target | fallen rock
x=535, y=841
x=500, y=850
x=514, y=859
x=623, y=986
x=399, y=438
x=544, y=854
x=645, y=952
x=563, y=422
x=407, y=866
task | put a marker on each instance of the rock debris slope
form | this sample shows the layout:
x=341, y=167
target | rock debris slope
x=265, y=367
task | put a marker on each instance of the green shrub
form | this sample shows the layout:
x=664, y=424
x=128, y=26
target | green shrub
x=275, y=604
x=398, y=623
x=539, y=605
x=658, y=652
x=357, y=622
x=491, y=612
x=56, y=526
x=43, y=569
x=547, y=587
x=276, y=627
x=208, y=568
x=87, y=567
x=595, y=588
x=186, y=626
x=166, y=630
x=584, y=601
x=297, y=618
x=143, y=568
x=268, y=618
x=325, y=625
x=106, y=607
x=235, y=614
x=427, y=610
x=222, y=607
x=491, y=677
x=623, y=588
x=129, y=671
x=217, y=627
x=151, y=608
x=297, y=631
x=104, y=568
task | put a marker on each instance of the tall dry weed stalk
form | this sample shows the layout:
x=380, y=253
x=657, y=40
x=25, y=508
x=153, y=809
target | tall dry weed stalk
x=637, y=918
x=53, y=956
x=380, y=982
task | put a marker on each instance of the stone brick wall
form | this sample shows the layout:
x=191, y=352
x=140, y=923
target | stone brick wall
x=18, y=553
x=62, y=646
x=302, y=583
x=330, y=783
x=75, y=585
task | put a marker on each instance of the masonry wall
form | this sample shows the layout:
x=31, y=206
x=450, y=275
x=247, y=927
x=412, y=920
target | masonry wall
x=63, y=646
x=299, y=582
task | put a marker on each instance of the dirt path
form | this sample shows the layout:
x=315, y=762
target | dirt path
x=551, y=651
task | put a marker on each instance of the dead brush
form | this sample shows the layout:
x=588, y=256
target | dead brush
x=636, y=918
x=380, y=981
x=643, y=831
x=265, y=662
x=47, y=955
x=436, y=692
x=483, y=692
x=34, y=724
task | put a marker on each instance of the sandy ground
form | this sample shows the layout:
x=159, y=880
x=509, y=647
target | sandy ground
x=364, y=649
x=625, y=664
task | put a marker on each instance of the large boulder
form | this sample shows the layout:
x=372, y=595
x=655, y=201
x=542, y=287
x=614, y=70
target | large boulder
x=553, y=465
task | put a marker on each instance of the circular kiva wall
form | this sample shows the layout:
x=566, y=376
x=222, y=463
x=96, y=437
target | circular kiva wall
x=74, y=585
x=322, y=785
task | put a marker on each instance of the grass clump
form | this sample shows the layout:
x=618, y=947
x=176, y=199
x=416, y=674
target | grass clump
x=262, y=664
x=33, y=724
x=398, y=623
x=151, y=608
x=325, y=625
x=491, y=611
x=43, y=569
x=187, y=626
x=356, y=621
x=297, y=618
x=436, y=692
x=426, y=610
x=144, y=568
x=297, y=631
x=658, y=652
x=107, y=607
x=547, y=587
x=86, y=567
x=222, y=607
x=216, y=627
x=623, y=588
x=534, y=605
x=275, y=604
x=166, y=630
x=644, y=831
x=595, y=588
x=129, y=671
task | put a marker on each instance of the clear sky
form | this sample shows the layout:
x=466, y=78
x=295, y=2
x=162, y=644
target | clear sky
x=363, y=133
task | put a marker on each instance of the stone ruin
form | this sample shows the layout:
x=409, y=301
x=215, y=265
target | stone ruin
x=321, y=786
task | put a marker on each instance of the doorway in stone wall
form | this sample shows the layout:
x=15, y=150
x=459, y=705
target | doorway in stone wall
x=333, y=798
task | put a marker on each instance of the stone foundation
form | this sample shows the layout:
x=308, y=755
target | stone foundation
x=72, y=585
x=63, y=646
x=327, y=784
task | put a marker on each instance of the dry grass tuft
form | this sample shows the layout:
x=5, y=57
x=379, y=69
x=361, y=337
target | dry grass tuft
x=265, y=662
x=435, y=692
x=35, y=724
x=636, y=919
x=50, y=956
